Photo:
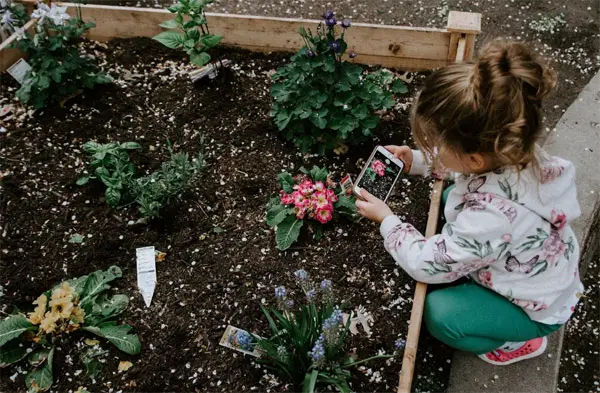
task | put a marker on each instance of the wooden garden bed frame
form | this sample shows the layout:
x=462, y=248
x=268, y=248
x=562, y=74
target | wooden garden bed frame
x=405, y=48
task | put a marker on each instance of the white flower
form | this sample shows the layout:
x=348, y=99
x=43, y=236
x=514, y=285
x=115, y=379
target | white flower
x=7, y=20
x=58, y=15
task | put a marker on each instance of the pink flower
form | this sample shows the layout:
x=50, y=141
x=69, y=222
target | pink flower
x=485, y=277
x=299, y=212
x=378, y=167
x=306, y=187
x=320, y=200
x=554, y=247
x=324, y=215
x=507, y=237
x=558, y=218
x=299, y=199
x=319, y=186
x=331, y=196
x=287, y=199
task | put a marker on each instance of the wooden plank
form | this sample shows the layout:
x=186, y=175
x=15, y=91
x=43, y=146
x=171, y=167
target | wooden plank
x=8, y=56
x=469, y=47
x=375, y=44
x=464, y=22
x=416, y=316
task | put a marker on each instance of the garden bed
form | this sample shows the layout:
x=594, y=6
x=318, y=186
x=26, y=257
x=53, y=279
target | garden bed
x=221, y=259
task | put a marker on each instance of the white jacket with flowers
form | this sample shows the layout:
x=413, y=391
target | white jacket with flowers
x=508, y=231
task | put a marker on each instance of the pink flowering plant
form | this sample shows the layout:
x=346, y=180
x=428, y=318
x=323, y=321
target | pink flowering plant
x=309, y=196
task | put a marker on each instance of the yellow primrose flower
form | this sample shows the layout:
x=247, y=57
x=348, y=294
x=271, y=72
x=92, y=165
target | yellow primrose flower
x=62, y=307
x=65, y=290
x=37, y=315
x=48, y=324
x=77, y=314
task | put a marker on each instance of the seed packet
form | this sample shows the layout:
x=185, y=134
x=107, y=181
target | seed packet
x=240, y=340
x=347, y=185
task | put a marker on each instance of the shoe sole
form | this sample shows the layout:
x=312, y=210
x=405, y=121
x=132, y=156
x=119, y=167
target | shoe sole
x=534, y=354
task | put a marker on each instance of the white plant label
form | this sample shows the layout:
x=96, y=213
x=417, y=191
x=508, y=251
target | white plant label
x=146, y=272
x=19, y=70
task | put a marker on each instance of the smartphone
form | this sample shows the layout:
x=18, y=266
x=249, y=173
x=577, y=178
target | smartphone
x=380, y=174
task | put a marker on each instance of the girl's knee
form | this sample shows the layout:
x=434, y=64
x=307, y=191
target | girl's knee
x=438, y=316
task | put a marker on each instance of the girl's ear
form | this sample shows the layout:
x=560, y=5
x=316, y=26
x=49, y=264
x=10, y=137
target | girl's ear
x=477, y=162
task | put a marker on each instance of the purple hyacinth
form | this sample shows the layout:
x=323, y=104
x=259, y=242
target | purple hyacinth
x=329, y=14
x=301, y=274
x=352, y=54
x=280, y=292
x=346, y=23
x=326, y=285
x=311, y=294
x=331, y=22
x=309, y=53
x=318, y=350
x=400, y=344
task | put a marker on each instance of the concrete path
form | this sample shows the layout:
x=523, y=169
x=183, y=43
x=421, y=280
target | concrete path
x=577, y=138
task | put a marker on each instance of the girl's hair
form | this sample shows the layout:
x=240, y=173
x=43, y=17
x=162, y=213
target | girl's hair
x=491, y=106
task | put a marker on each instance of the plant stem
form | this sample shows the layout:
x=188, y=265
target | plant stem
x=368, y=360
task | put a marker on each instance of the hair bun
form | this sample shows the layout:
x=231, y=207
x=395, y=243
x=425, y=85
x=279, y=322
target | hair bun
x=516, y=60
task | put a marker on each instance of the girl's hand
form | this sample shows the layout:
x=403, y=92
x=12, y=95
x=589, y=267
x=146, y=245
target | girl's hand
x=372, y=208
x=404, y=153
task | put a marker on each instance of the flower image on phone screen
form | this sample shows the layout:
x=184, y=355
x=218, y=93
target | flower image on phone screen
x=379, y=176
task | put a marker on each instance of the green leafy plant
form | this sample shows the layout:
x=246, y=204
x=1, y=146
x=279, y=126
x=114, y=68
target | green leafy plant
x=188, y=19
x=156, y=190
x=112, y=166
x=78, y=304
x=310, y=196
x=307, y=346
x=151, y=193
x=321, y=101
x=58, y=69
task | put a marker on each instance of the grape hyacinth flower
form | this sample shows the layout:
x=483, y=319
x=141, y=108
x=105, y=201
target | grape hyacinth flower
x=289, y=304
x=400, y=344
x=311, y=294
x=282, y=352
x=346, y=23
x=332, y=327
x=352, y=54
x=280, y=292
x=318, y=351
x=301, y=275
x=331, y=22
x=309, y=53
x=329, y=14
x=326, y=285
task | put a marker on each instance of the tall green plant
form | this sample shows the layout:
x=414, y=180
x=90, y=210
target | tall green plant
x=194, y=37
x=307, y=346
x=321, y=101
x=58, y=68
x=78, y=304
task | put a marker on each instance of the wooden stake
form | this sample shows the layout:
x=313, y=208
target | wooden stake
x=416, y=316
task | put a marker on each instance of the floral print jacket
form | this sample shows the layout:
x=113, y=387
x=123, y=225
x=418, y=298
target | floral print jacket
x=507, y=231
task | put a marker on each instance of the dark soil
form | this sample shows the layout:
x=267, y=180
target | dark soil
x=221, y=259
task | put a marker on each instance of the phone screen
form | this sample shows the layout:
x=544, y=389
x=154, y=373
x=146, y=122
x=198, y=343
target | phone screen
x=380, y=175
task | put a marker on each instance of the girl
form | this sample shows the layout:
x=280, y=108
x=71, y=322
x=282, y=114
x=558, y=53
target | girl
x=507, y=216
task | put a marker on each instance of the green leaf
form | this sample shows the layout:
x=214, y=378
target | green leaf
x=399, y=87
x=38, y=357
x=277, y=214
x=286, y=181
x=370, y=122
x=170, y=39
x=77, y=238
x=105, y=308
x=83, y=180
x=319, y=118
x=113, y=196
x=13, y=327
x=119, y=336
x=360, y=112
x=97, y=282
x=310, y=380
x=130, y=145
x=170, y=24
x=92, y=367
x=287, y=232
x=12, y=352
x=40, y=379
x=200, y=59
x=346, y=202
x=211, y=40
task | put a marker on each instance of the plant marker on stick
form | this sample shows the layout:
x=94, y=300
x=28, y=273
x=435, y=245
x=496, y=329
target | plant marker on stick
x=146, y=272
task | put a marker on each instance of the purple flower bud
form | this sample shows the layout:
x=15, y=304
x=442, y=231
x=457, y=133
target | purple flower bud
x=335, y=46
x=331, y=22
x=346, y=23
x=329, y=14
x=301, y=274
x=352, y=54
x=309, y=53
x=280, y=292
x=400, y=344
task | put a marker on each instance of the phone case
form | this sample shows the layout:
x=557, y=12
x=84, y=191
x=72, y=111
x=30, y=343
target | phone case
x=364, y=169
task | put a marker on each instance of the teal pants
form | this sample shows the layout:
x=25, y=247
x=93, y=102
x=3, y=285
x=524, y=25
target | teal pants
x=475, y=319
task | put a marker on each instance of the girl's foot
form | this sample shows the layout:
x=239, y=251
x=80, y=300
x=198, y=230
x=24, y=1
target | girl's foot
x=530, y=349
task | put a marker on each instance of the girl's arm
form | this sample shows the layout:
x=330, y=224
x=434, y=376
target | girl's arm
x=479, y=237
